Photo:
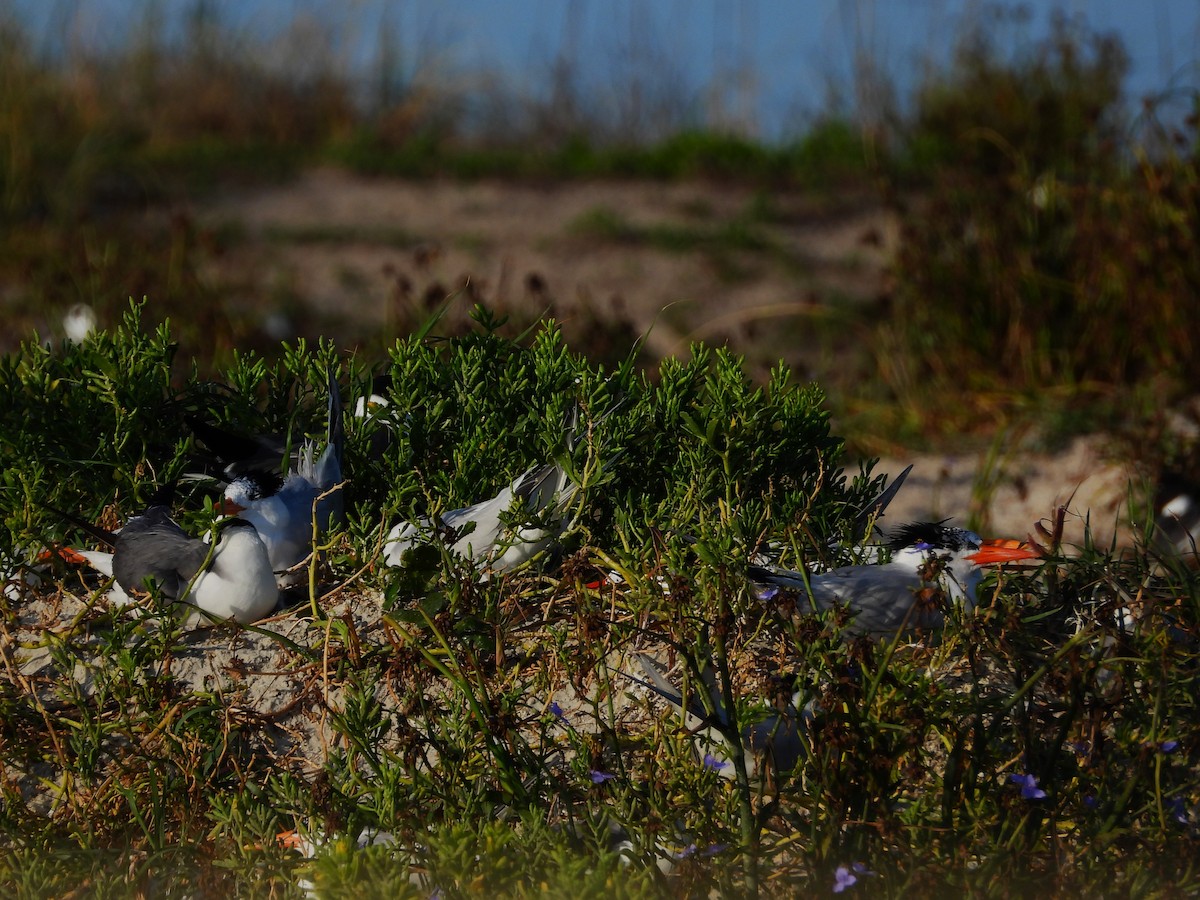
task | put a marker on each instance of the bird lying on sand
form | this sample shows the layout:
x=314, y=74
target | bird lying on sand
x=231, y=580
x=281, y=508
x=485, y=533
x=885, y=597
x=777, y=738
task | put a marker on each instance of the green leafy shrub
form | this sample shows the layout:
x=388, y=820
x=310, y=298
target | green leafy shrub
x=1044, y=265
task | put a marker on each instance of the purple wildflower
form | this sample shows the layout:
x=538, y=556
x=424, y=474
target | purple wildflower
x=843, y=878
x=1029, y=786
x=714, y=762
x=558, y=713
x=599, y=777
x=768, y=594
x=1090, y=802
x=686, y=852
x=1168, y=746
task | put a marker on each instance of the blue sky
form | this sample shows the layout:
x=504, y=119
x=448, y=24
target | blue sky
x=759, y=63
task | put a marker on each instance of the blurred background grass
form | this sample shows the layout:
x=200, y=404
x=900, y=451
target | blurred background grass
x=1045, y=264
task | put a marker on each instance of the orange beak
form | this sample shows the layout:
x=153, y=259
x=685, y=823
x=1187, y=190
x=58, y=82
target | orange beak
x=228, y=508
x=66, y=554
x=993, y=553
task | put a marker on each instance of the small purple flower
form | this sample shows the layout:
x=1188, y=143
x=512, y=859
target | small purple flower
x=686, y=852
x=1029, y=786
x=768, y=594
x=713, y=762
x=1168, y=746
x=599, y=777
x=923, y=545
x=558, y=713
x=714, y=849
x=1090, y=802
x=843, y=878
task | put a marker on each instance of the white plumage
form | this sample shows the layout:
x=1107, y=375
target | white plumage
x=485, y=533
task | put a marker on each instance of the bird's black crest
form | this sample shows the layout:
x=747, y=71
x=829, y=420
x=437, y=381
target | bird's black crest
x=262, y=483
x=937, y=535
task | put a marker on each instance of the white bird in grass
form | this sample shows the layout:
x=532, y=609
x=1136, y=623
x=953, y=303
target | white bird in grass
x=489, y=532
x=777, y=738
x=313, y=843
x=1177, y=518
x=79, y=322
x=281, y=509
x=900, y=593
x=18, y=575
x=152, y=549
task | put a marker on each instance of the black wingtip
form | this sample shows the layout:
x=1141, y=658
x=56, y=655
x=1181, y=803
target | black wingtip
x=102, y=535
x=336, y=435
x=876, y=508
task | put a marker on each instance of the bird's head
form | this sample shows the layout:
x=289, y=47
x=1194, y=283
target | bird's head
x=938, y=538
x=246, y=490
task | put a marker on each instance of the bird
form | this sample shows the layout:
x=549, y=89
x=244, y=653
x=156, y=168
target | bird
x=484, y=533
x=889, y=596
x=18, y=575
x=376, y=402
x=374, y=417
x=229, y=580
x=241, y=454
x=282, y=508
x=777, y=738
x=79, y=322
x=1177, y=517
x=310, y=843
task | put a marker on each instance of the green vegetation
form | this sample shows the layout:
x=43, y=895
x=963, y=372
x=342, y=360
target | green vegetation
x=492, y=728
x=1050, y=261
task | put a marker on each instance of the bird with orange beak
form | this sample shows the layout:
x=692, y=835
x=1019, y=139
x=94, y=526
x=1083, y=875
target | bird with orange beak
x=883, y=598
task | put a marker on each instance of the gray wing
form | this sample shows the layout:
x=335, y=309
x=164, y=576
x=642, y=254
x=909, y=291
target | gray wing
x=152, y=546
x=547, y=489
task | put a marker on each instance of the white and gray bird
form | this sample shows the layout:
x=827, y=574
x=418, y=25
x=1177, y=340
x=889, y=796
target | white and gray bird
x=79, y=322
x=1177, y=517
x=488, y=532
x=282, y=508
x=152, y=549
x=885, y=597
x=777, y=738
